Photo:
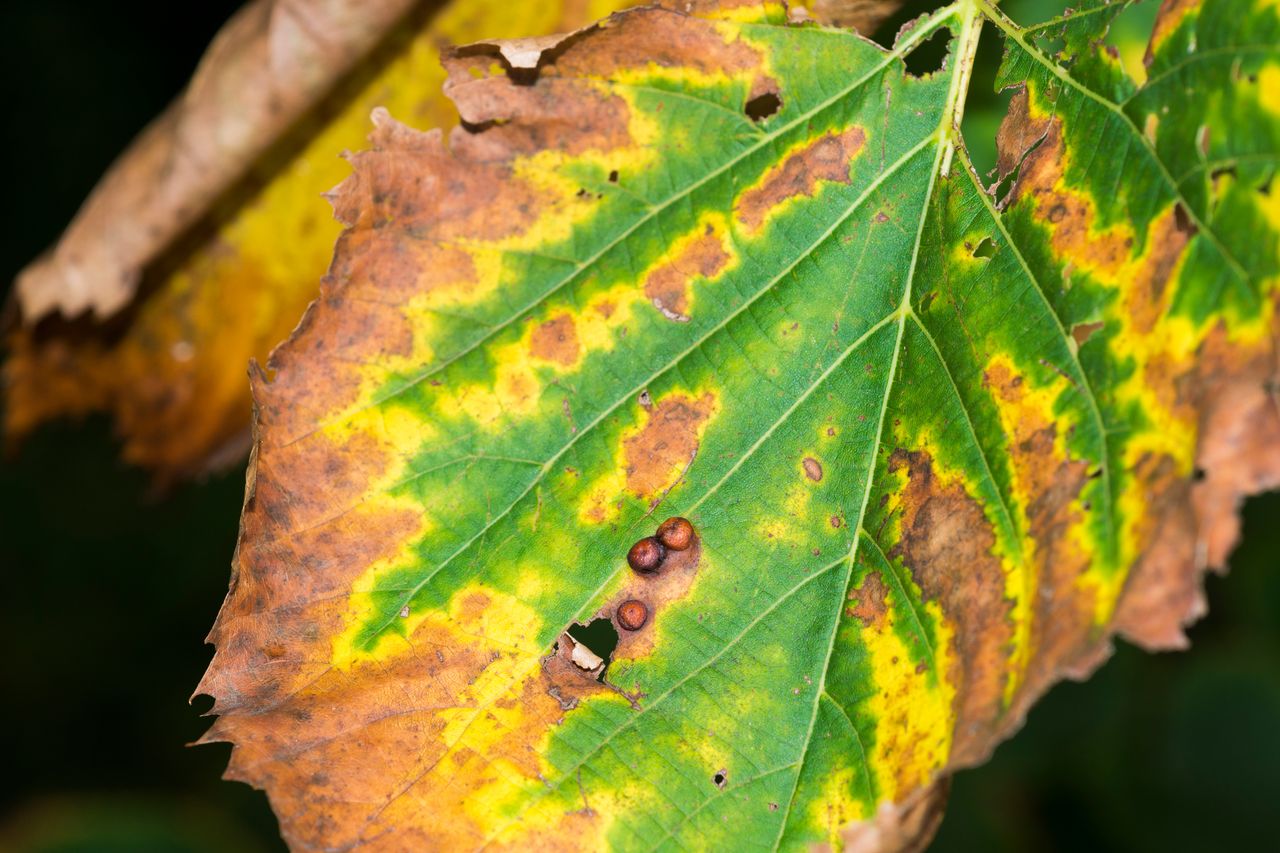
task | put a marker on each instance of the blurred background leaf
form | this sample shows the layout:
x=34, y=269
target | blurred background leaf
x=108, y=590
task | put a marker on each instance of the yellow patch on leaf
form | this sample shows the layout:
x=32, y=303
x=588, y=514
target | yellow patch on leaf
x=913, y=711
x=1037, y=453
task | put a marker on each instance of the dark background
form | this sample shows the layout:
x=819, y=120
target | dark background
x=108, y=591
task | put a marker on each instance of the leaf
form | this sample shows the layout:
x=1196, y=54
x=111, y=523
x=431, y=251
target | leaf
x=266, y=66
x=936, y=446
x=231, y=260
x=215, y=212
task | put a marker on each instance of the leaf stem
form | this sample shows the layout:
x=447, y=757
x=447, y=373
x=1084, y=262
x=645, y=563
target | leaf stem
x=970, y=31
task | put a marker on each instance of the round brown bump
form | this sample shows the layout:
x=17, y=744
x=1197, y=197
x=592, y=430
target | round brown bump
x=646, y=556
x=676, y=533
x=632, y=615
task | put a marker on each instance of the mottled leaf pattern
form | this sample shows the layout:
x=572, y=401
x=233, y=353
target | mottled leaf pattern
x=937, y=444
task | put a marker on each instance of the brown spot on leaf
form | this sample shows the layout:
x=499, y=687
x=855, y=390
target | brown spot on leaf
x=869, y=600
x=825, y=159
x=667, y=442
x=667, y=286
x=1081, y=332
x=813, y=469
x=656, y=591
x=1019, y=133
x=556, y=341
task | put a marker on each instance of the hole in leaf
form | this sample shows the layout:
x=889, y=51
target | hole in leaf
x=599, y=636
x=761, y=107
x=1198, y=474
x=1094, y=473
x=986, y=249
x=720, y=779
x=888, y=32
x=930, y=55
x=1083, y=331
x=613, y=176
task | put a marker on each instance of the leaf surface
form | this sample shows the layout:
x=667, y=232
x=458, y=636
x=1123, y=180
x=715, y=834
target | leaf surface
x=936, y=445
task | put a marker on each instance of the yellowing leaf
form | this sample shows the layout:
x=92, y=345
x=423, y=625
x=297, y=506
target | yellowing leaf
x=936, y=446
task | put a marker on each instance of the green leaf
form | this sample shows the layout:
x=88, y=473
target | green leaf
x=936, y=445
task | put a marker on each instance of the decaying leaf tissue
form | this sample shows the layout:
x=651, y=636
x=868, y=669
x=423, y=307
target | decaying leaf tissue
x=690, y=448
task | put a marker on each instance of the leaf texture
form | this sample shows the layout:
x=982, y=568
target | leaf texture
x=937, y=444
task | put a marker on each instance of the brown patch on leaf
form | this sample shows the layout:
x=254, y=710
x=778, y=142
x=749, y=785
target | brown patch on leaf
x=571, y=673
x=869, y=600
x=947, y=544
x=667, y=443
x=569, y=113
x=343, y=770
x=668, y=286
x=1062, y=620
x=1082, y=332
x=670, y=583
x=812, y=469
x=1107, y=254
x=825, y=159
x=865, y=16
x=556, y=341
x=1196, y=524
x=1018, y=134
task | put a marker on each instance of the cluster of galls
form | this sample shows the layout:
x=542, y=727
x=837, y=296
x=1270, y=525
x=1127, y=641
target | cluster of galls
x=646, y=558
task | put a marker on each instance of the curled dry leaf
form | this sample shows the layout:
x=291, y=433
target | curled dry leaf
x=267, y=65
x=919, y=499
x=219, y=204
x=203, y=245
